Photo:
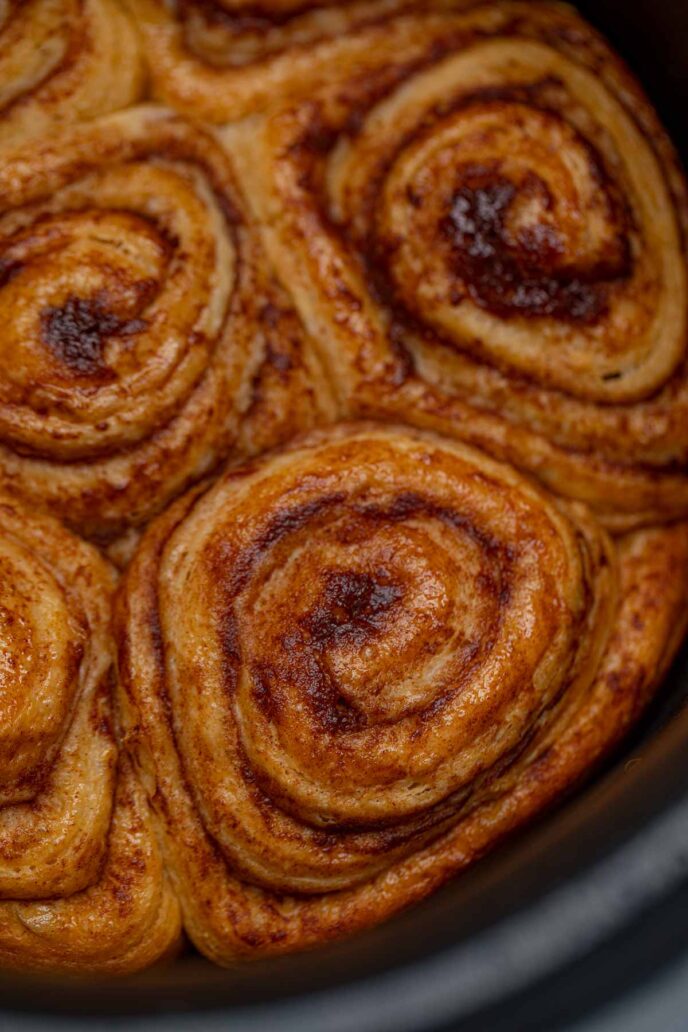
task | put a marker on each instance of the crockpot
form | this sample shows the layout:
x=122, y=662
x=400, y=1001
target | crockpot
x=579, y=911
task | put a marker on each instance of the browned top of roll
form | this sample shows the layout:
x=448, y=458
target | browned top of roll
x=221, y=61
x=489, y=236
x=81, y=882
x=350, y=665
x=140, y=319
x=64, y=61
x=336, y=655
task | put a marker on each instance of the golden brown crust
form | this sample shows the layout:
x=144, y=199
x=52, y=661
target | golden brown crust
x=126, y=921
x=57, y=746
x=81, y=880
x=352, y=666
x=64, y=61
x=142, y=322
x=219, y=61
x=488, y=239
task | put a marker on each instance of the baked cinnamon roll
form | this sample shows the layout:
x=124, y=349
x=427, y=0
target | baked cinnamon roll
x=81, y=880
x=220, y=60
x=64, y=61
x=488, y=239
x=352, y=666
x=142, y=328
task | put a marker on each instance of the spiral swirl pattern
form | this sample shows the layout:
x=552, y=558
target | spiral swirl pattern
x=350, y=663
x=221, y=60
x=61, y=61
x=493, y=245
x=62, y=811
x=140, y=320
x=360, y=640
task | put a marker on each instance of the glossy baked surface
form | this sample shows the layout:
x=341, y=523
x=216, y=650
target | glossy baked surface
x=487, y=238
x=142, y=326
x=349, y=661
x=351, y=667
x=81, y=879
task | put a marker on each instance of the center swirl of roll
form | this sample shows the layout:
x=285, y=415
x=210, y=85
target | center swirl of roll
x=500, y=201
x=113, y=293
x=375, y=594
x=510, y=220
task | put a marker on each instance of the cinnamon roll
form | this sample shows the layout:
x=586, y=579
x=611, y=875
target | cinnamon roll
x=220, y=60
x=350, y=667
x=488, y=239
x=143, y=331
x=64, y=61
x=81, y=880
